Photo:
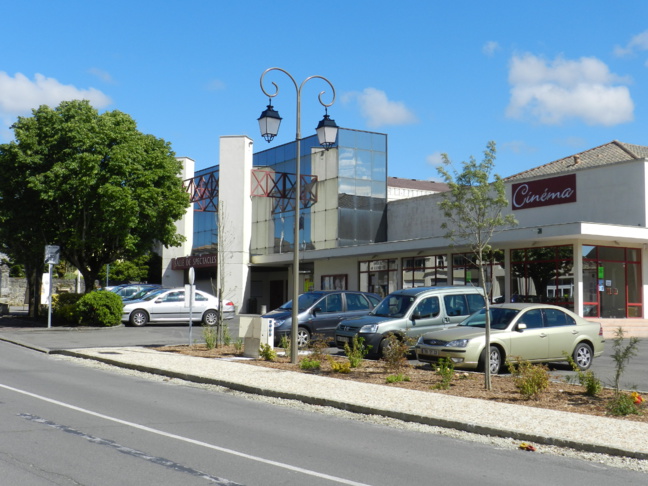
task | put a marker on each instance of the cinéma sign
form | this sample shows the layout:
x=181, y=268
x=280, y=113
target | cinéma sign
x=197, y=261
x=546, y=192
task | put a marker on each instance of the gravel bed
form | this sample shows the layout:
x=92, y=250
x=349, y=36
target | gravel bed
x=502, y=443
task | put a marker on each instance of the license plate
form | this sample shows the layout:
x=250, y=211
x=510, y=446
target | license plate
x=429, y=352
x=344, y=339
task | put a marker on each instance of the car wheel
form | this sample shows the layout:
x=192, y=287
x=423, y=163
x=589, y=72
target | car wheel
x=210, y=318
x=495, y=360
x=583, y=356
x=138, y=318
x=303, y=337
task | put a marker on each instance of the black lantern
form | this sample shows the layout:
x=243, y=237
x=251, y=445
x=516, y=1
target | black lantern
x=327, y=132
x=269, y=122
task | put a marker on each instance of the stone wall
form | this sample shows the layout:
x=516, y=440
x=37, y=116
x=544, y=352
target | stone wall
x=13, y=290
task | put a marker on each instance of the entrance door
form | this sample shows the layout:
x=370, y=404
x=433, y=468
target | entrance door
x=613, y=291
x=277, y=294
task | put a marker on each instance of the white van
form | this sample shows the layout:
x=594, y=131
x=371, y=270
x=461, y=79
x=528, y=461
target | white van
x=411, y=313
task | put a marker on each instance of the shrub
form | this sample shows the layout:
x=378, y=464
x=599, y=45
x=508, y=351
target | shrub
x=238, y=345
x=588, y=379
x=267, y=353
x=530, y=380
x=64, y=307
x=318, y=345
x=339, y=366
x=309, y=364
x=397, y=378
x=394, y=352
x=622, y=404
x=356, y=352
x=101, y=308
x=622, y=354
x=445, y=369
x=210, y=336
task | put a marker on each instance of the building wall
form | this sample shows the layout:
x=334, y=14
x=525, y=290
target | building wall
x=184, y=226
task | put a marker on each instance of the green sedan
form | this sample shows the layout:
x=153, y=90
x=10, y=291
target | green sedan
x=538, y=333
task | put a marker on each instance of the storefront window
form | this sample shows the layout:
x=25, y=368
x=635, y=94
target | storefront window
x=425, y=271
x=379, y=276
x=612, y=282
x=543, y=274
x=465, y=271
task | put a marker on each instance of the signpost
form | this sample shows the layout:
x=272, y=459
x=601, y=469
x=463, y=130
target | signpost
x=189, y=298
x=52, y=257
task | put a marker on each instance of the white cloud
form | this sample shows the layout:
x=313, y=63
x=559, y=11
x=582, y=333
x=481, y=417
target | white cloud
x=435, y=159
x=379, y=110
x=103, y=75
x=638, y=43
x=490, y=48
x=517, y=147
x=19, y=95
x=552, y=92
x=215, y=85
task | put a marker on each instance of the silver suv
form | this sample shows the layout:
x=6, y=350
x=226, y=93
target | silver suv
x=410, y=313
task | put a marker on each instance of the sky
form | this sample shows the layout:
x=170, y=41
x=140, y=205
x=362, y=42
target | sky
x=543, y=80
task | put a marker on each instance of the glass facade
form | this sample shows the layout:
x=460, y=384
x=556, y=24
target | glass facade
x=379, y=276
x=425, y=271
x=612, y=282
x=351, y=194
x=543, y=274
x=205, y=235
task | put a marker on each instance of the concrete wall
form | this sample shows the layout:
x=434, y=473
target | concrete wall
x=184, y=227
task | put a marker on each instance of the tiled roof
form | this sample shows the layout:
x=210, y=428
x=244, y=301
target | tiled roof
x=609, y=153
x=417, y=184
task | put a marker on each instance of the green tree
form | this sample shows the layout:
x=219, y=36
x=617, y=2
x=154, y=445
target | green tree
x=134, y=270
x=90, y=183
x=473, y=211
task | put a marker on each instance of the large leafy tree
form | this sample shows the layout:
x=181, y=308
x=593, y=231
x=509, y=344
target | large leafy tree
x=90, y=183
x=473, y=210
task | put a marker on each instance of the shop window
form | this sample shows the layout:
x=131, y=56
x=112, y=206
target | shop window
x=543, y=274
x=379, y=276
x=425, y=271
x=612, y=282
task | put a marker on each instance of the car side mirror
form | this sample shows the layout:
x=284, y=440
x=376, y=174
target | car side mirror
x=316, y=310
x=416, y=315
x=521, y=326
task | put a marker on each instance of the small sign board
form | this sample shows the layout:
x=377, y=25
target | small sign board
x=52, y=254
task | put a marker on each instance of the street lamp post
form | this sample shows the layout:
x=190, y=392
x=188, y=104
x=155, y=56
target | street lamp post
x=269, y=122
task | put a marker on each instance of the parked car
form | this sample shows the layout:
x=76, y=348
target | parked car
x=143, y=293
x=169, y=306
x=128, y=290
x=409, y=313
x=320, y=311
x=534, y=332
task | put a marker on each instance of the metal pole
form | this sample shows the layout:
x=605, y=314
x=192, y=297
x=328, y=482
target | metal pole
x=294, y=351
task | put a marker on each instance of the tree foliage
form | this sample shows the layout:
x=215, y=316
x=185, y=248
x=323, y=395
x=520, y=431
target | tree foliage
x=473, y=210
x=90, y=183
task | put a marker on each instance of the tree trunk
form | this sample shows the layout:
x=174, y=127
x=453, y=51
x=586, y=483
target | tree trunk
x=487, y=373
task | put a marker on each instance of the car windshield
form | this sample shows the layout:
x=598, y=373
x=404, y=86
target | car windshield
x=393, y=306
x=140, y=294
x=500, y=318
x=305, y=301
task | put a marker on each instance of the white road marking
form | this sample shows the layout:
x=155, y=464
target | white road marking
x=186, y=439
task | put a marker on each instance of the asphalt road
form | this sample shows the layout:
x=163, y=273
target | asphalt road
x=63, y=423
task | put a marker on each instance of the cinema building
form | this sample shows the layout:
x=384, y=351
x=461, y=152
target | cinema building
x=581, y=240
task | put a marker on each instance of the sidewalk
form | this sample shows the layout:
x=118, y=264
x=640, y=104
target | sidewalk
x=528, y=424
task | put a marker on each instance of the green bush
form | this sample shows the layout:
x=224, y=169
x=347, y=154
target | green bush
x=308, y=364
x=64, y=307
x=621, y=405
x=100, y=308
x=530, y=380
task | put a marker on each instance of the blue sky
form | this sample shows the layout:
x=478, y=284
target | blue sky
x=544, y=80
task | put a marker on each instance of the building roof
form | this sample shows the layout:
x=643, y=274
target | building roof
x=608, y=153
x=417, y=184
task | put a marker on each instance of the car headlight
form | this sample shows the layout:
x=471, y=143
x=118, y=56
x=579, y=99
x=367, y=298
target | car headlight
x=458, y=343
x=279, y=322
x=372, y=328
